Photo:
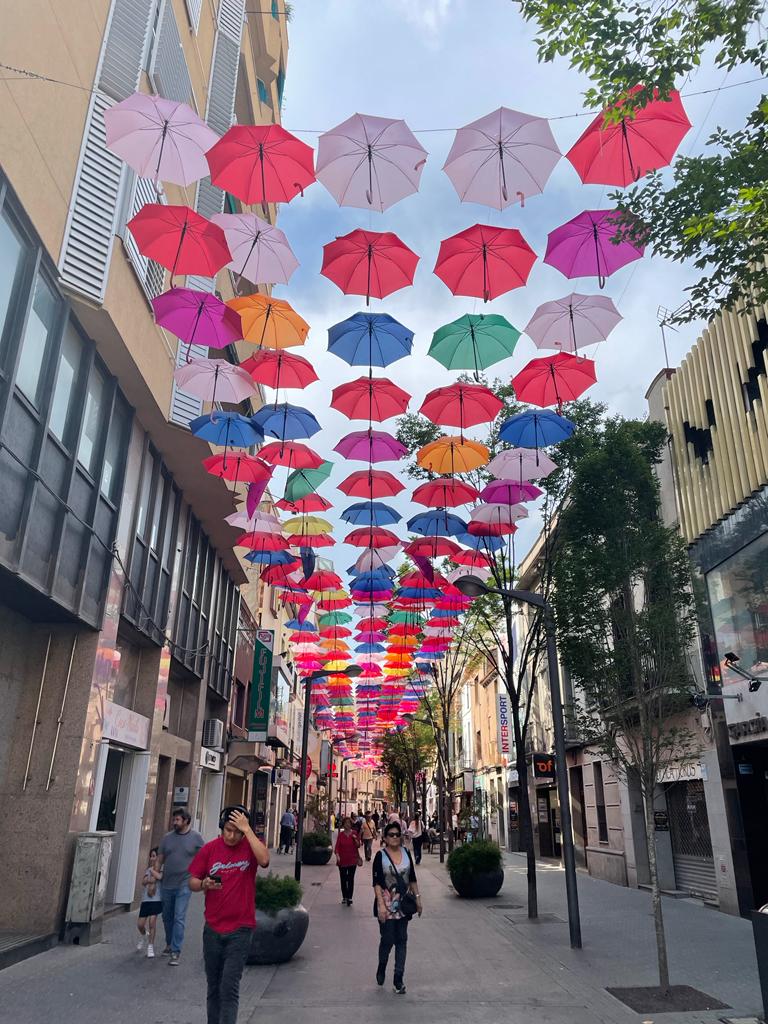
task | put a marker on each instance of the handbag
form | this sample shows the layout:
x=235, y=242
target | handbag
x=408, y=905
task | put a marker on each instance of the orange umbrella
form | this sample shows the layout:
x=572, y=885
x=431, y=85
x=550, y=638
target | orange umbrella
x=452, y=455
x=271, y=323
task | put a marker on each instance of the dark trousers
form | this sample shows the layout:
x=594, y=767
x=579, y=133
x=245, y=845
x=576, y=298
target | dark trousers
x=393, y=933
x=286, y=838
x=224, y=957
x=417, y=843
x=367, y=846
x=347, y=876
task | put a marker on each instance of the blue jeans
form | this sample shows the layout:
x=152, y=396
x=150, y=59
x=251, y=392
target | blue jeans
x=175, y=903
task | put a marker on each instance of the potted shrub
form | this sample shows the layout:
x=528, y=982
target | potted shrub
x=281, y=920
x=475, y=869
x=315, y=848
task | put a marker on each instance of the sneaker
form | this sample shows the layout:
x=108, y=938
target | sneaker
x=380, y=975
x=140, y=945
x=166, y=951
x=399, y=988
x=349, y=903
x=174, y=960
x=150, y=951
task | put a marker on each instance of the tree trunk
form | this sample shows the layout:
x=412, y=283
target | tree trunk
x=658, y=914
x=450, y=800
x=526, y=834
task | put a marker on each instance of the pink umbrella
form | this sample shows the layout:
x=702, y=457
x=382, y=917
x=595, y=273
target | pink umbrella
x=215, y=380
x=197, y=317
x=521, y=464
x=370, y=446
x=370, y=162
x=160, y=139
x=260, y=251
x=582, y=247
x=572, y=321
x=496, y=513
x=501, y=158
x=509, y=492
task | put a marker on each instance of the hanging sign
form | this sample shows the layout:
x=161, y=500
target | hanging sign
x=544, y=766
x=261, y=685
x=503, y=723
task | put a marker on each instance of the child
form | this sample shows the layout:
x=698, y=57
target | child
x=151, y=905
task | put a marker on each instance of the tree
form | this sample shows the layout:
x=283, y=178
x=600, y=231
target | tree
x=715, y=213
x=406, y=753
x=624, y=612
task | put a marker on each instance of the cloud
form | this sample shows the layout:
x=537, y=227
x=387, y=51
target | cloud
x=430, y=16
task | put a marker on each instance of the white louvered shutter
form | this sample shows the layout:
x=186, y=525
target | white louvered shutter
x=168, y=72
x=185, y=407
x=194, y=9
x=151, y=275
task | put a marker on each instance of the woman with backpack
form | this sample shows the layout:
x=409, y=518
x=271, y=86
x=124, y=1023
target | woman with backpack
x=397, y=900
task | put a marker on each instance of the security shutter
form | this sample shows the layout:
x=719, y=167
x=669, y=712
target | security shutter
x=185, y=407
x=168, y=71
x=151, y=275
x=194, y=8
x=691, y=843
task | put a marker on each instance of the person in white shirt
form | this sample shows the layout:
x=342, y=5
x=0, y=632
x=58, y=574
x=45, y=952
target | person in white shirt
x=416, y=832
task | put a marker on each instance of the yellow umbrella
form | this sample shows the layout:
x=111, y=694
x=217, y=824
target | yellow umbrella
x=272, y=323
x=336, y=666
x=452, y=455
x=310, y=526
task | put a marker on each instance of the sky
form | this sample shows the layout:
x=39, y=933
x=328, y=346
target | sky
x=439, y=64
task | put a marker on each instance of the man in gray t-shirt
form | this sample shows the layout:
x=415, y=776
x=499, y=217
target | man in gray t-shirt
x=177, y=849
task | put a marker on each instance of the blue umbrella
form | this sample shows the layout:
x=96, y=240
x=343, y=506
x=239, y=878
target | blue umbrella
x=382, y=570
x=375, y=576
x=484, y=544
x=428, y=593
x=444, y=613
x=369, y=649
x=371, y=586
x=536, y=429
x=230, y=429
x=300, y=627
x=370, y=339
x=286, y=422
x=371, y=513
x=437, y=523
x=270, y=557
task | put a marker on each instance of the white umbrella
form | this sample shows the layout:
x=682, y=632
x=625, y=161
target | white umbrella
x=572, y=322
x=260, y=251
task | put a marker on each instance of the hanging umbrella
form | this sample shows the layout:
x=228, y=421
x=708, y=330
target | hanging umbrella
x=309, y=540
x=431, y=547
x=373, y=559
x=484, y=261
x=461, y=405
x=310, y=503
x=271, y=323
x=452, y=455
x=371, y=483
x=554, y=379
x=279, y=369
x=258, y=521
x=371, y=513
x=304, y=481
x=495, y=529
x=242, y=468
x=214, y=380
x=260, y=251
x=271, y=558
x=583, y=247
x=334, y=618
x=573, y=321
x=370, y=339
x=519, y=464
x=502, y=158
x=471, y=559
x=474, y=342
x=536, y=429
x=179, y=239
x=197, y=317
x=497, y=512
x=160, y=139
x=369, y=263
x=437, y=523
x=445, y=493
x=370, y=398
x=371, y=537
x=285, y=422
x=289, y=453
x=261, y=163
x=228, y=429
x=370, y=446
x=258, y=540
x=509, y=492
x=323, y=579
x=619, y=152
x=310, y=525
x=370, y=162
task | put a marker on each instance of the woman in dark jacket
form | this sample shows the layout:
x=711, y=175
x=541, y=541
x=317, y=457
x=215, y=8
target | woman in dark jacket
x=393, y=875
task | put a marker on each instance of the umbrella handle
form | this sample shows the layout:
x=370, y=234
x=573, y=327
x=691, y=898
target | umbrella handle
x=522, y=199
x=600, y=277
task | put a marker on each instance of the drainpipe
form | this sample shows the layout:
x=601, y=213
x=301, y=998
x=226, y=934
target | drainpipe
x=60, y=719
x=37, y=713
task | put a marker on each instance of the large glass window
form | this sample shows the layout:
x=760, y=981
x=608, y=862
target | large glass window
x=64, y=384
x=93, y=424
x=12, y=257
x=738, y=597
x=34, y=344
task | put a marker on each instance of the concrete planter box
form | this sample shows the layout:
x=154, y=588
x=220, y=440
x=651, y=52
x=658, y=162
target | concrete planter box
x=278, y=936
x=478, y=886
x=316, y=855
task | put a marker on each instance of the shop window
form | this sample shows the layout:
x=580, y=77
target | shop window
x=602, y=819
x=738, y=598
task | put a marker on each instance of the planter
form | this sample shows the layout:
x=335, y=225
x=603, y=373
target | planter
x=479, y=885
x=315, y=855
x=278, y=936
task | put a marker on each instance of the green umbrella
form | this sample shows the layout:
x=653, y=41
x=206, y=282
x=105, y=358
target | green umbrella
x=334, y=619
x=304, y=481
x=474, y=341
x=409, y=618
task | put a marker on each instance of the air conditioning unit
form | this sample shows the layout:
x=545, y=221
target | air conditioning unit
x=213, y=733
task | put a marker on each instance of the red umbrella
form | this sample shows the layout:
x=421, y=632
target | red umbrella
x=369, y=263
x=432, y=547
x=180, y=239
x=322, y=579
x=612, y=152
x=279, y=369
x=484, y=261
x=461, y=405
x=311, y=503
x=445, y=494
x=471, y=559
x=259, y=541
x=311, y=540
x=478, y=529
x=279, y=575
x=373, y=483
x=554, y=379
x=290, y=453
x=261, y=163
x=244, y=468
x=377, y=396
x=371, y=537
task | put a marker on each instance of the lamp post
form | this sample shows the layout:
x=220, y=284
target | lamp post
x=471, y=586
x=352, y=671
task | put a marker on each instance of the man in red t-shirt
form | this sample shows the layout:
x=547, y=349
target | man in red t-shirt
x=225, y=870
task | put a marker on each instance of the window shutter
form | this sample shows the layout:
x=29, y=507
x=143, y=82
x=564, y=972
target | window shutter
x=168, y=72
x=230, y=19
x=185, y=407
x=125, y=46
x=151, y=275
x=194, y=8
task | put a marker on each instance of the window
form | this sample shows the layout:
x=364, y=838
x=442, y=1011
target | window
x=738, y=598
x=263, y=93
x=280, y=86
x=238, y=711
x=13, y=253
x=602, y=820
x=275, y=10
x=35, y=343
x=95, y=408
x=64, y=391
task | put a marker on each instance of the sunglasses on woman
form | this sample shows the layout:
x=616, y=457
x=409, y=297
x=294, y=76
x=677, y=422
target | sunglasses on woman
x=393, y=835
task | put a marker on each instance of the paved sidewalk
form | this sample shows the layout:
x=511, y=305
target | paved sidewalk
x=467, y=960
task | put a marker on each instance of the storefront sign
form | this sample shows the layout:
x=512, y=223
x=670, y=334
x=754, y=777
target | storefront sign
x=751, y=727
x=544, y=766
x=660, y=821
x=503, y=722
x=682, y=771
x=181, y=794
x=278, y=731
x=125, y=726
x=282, y=777
x=210, y=759
x=513, y=776
x=261, y=685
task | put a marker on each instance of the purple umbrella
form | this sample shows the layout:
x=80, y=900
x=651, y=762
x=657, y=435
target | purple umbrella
x=502, y=158
x=197, y=317
x=370, y=162
x=582, y=247
x=572, y=321
x=509, y=492
x=260, y=251
x=370, y=446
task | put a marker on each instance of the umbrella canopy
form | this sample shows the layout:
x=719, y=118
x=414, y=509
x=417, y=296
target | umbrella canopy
x=197, y=317
x=214, y=380
x=260, y=541
x=371, y=446
x=279, y=369
x=536, y=429
x=518, y=464
x=229, y=429
x=370, y=339
x=582, y=247
x=160, y=139
x=554, y=379
x=573, y=321
x=474, y=342
x=471, y=559
x=370, y=560
x=502, y=158
x=310, y=503
x=324, y=579
x=369, y=263
x=286, y=422
x=497, y=512
x=461, y=405
x=304, y=481
x=258, y=521
x=289, y=453
x=445, y=493
x=371, y=537
x=179, y=239
x=260, y=251
x=484, y=261
x=509, y=492
x=243, y=468
x=437, y=523
x=370, y=162
x=371, y=483
x=309, y=525
x=431, y=547
x=371, y=513
x=377, y=397
x=452, y=455
x=271, y=323
x=311, y=540
x=261, y=163
x=619, y=152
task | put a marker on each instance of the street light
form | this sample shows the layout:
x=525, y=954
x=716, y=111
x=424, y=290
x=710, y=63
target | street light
x=351, y=672
x=472, y=586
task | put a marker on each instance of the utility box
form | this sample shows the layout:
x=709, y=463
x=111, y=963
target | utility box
x=87, y=888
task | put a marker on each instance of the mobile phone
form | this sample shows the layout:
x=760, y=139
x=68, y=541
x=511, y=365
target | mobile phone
x=216, y=879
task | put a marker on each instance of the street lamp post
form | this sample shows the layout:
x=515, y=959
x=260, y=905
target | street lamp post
x=472, y=586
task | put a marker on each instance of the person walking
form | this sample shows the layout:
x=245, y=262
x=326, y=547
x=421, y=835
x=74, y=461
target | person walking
x=375, y=817
x=287, y=824
x=397, y=899
x=348, y=860
x=416, y=831
x=368, y=832
x=177, y=849
x=225, y=870
x=151, y=905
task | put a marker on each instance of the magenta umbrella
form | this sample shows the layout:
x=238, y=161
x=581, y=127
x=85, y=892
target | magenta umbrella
x=572, y=321
x=370, y=162
x=370, y=446
x=197, y=317
x=160, y=139
x=509, y=492
x=582, y=247
x=215, y=380
x=260, y=251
